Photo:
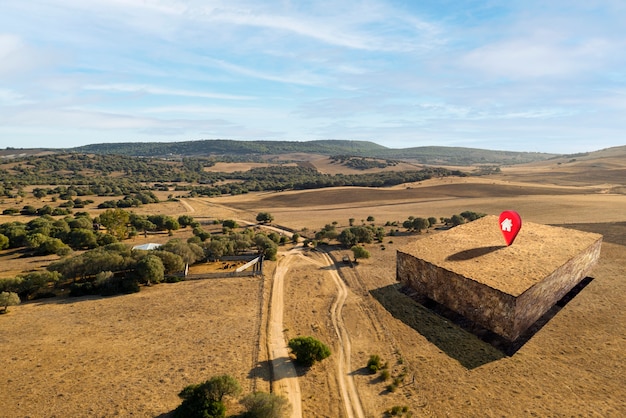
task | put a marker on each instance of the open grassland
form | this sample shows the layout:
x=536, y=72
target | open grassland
x=131, y=355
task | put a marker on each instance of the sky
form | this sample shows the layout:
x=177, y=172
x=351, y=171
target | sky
x=519, y=75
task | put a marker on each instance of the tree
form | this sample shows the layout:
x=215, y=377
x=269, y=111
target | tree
x=141, y=223
x=8, y=299
x=432, y=221
x=116, y=222
x=266, y=246
x=347, y=237
x=185, y=220
x=150, y=269
x=420, y=223
x=164, y=222
x=457, y=220
x=173, y=263
x=308, y=350
x=80, y=239
x=205, y=400
x=53, y=246
x=265, y=405
x=229, y=223
x=264, y=217
x=360, y=252
x=4, y=242
x=189, y=252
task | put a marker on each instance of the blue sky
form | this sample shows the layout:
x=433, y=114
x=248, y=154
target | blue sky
x=527, y=75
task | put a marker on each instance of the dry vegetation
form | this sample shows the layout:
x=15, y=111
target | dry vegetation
x=131, y=355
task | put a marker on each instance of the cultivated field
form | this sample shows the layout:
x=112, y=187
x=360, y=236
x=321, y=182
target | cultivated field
x=131, y=355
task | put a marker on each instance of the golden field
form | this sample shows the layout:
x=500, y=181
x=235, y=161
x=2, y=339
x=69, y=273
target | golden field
x=131, y=355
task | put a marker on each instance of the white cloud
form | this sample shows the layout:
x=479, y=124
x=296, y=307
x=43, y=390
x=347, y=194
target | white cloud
x=522, y=58
x=147, y=89
x=16, y=57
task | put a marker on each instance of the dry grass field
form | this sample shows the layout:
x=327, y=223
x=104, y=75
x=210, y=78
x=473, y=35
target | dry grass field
x=130, y=355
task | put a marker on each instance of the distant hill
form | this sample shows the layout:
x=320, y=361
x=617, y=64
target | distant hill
x=251, y=149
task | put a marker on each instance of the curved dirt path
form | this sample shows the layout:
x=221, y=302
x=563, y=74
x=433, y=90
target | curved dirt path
x=284, y=374
x=284, y=377
x=349, y=394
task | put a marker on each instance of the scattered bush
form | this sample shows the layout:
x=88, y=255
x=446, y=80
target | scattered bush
x=398, y=411
x=8, y=299
x=265, y=405
x=374, y=363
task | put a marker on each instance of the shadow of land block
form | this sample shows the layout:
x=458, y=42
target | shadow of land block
x=460, y=338
x=504, y=289
x=453, y=340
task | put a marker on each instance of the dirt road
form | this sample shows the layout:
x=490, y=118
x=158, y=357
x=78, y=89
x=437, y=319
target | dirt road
x=349, y=393
x=284, y=373
x=285, y=379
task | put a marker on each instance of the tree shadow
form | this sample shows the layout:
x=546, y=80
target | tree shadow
x=262, y=370
x=266, y=369
x=460, y=338
x=474, y=253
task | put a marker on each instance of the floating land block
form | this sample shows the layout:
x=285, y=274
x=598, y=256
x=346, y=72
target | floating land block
x=471, y=271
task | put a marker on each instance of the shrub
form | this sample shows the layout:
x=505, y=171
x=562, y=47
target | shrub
x=385, y=375
x=265, y=405
x=308, y=350
x=8, y=299
x=4, y=242
x=374, y=363
x=398, y=411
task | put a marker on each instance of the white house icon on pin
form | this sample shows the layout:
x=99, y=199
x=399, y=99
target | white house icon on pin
x=507, y=224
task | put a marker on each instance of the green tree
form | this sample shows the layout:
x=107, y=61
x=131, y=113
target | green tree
x=347, y=237
x=141, y=223
x=205, y=400
x=432, y=221
x=8, y=299
x=266, y=246
x=150, y=269
x=360, y=252
x=308, y=350
x=4, y=242
x=264, y=217
x=34, y=241
x=265, y=405
x=80, y=222
x=173, y=263
x=185, y=220
x=116, y=221
x=81, y=239
x=53, y=246
x=457, y=220
x=189, y=252
x=39, y=193
x=229, y=223
x=420, y=224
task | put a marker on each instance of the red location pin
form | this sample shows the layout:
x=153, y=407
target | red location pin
x=510, y=224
